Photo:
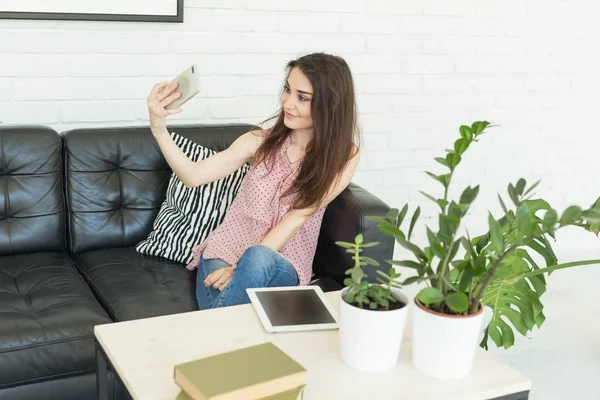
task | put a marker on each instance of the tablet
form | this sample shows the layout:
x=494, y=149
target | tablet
x=293, y=308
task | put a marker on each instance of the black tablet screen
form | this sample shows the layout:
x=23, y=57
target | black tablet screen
x=294, y=307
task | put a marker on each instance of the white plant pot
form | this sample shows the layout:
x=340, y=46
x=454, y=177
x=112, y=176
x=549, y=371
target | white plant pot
x=370, y=340
x=443, y=345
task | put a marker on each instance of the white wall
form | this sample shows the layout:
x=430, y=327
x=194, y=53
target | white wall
x=422, y=68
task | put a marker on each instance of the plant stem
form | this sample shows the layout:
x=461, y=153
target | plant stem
x=440, y=282
x=488, y=279
x=444, y=265
x=552, y=268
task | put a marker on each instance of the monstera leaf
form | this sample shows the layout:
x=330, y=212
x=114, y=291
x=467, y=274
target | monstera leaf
x=514, y=304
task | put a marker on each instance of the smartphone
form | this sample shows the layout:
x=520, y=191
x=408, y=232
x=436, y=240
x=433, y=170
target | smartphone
x=188, y=83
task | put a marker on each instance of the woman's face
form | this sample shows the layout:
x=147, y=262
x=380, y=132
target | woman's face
x=295, y=99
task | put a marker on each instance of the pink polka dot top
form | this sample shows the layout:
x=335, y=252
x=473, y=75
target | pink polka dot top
x=258, y=208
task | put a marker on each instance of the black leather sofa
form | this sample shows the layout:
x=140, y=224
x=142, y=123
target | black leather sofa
x=72, y=208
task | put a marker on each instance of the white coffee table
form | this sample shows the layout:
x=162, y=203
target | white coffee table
x=143, y=353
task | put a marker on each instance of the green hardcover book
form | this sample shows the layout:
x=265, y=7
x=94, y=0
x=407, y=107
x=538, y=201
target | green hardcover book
x=253, y=372
x=294, y=394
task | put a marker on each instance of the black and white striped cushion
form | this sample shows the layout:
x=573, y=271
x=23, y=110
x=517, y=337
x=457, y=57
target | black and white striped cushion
x=187, y=216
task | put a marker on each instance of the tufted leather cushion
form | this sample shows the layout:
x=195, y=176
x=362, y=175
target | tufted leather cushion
x=344, y=218
x=47, y=314
x=130, y=285
x=31, y=197
x=116, y=180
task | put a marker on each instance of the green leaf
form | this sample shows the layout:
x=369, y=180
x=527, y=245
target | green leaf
x=391, y=230
x=503, y=205
x=479, y=126
x=521, y=186
x=442, y=161
x=496, y=235
x=413, y=221
x=411, y=280
x=457, y=302
x=466, y=278
x=465, y=132
x=379, y=219
x=392, y=215
x=371, y=244
x=430, y=197
x=442, y=203
x=350, y=297
x=531, y=188
x=512, y=192
x=450, y=283
x=436, y=177
x=359, y=238
x=519, y=304
x=454, y=249
x=401, y=215
x=550, y=219
x=357, y=274
x=369, y=261
x=448, y=227
x=468, y=246
x=460, y=146
x=434, y=242
x=523, y=220
x=455, y=213
x=346, y=245
x=591, y=215
x=383, y=274
x=570, y=215
x=430, y=295
x=453, y=159
x=408, y=264
x=413, y=248
x=432, y=237
x=541, y=249
x=481, y=242
x=536, y=205
x=445, y=179
x=438, y=251
x=469, y=195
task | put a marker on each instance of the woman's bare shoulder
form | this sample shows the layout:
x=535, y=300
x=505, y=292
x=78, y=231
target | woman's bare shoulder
x=258, y=137
x=259, y=133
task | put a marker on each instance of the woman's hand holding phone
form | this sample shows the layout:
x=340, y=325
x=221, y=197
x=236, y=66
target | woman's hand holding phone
x=161, y=96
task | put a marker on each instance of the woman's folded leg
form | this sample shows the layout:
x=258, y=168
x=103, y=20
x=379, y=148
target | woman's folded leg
x=259, y=266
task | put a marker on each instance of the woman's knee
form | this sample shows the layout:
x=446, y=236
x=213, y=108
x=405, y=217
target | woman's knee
x=259, y=257
x=260, y=253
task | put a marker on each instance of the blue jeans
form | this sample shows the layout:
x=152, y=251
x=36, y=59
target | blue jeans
x=259, y=266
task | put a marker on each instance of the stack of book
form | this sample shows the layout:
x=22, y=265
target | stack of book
x=262, y=371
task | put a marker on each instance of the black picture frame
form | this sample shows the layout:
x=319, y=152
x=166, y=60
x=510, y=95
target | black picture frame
x=95, y=17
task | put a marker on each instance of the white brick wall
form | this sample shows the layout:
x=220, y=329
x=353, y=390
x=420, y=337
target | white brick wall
x=422, y=68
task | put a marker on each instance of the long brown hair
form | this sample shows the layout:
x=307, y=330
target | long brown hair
x=334, y=115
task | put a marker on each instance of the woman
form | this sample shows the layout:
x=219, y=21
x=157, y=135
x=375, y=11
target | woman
x=269, y=234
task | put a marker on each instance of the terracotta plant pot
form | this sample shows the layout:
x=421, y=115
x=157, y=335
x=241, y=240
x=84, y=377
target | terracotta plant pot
x=370, y=340
x=444, y=345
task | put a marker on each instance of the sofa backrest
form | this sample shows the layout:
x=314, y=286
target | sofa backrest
x=32, y=214
x=116, y=180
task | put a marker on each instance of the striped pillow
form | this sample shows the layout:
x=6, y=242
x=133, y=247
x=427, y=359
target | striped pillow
x=187, y=216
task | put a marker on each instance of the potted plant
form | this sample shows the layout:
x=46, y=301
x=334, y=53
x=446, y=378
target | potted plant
x=372, y=316
x=496, y=270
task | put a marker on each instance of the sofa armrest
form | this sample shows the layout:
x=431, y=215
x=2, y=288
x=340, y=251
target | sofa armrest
x=344, y=218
